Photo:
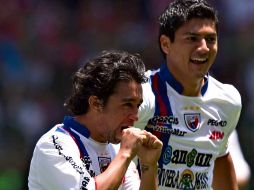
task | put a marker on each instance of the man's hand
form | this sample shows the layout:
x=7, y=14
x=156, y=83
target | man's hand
x=132, y=140
x=141, y=143
x=150, y=150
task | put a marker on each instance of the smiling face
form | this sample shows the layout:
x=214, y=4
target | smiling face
x=193, y=51
x=120, y=111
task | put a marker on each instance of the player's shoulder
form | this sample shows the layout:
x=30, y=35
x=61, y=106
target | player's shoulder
x=148, y=95
x=151, y=72
x=55, y=137
x=227, y=92
x=146, y=109
x=147, y=88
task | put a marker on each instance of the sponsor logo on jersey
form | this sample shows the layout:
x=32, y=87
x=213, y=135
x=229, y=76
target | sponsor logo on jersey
x=104, y=163
x=187, y=180
x=84, y=183
x=217, y=123
x=192, y=121
x=167, y=155
x=216, y=135
x=69, y=159
x=165, y=129
x=86, y=159
x=164, y=120
x=188, y=158
x=88, y=163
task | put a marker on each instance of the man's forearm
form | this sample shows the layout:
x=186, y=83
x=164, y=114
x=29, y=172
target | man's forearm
x=112, y=177
x=224, y=174
x=149, y=179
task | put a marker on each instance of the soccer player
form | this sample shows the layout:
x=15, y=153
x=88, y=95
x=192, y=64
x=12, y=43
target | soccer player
x=83, y=151
x=188, y=109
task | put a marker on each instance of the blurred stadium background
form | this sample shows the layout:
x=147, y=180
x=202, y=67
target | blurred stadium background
x=42, y=42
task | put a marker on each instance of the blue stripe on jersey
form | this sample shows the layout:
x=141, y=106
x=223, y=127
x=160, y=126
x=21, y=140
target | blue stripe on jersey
x=159, y=89
x=59, y=129
x=205, y=86
x=69, y=121
x=162, y=108
x=162, y=103
x=69, y=125
x=167, y=76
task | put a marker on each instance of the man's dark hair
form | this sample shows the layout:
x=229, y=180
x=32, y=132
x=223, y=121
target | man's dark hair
x=99, y=77
x=180, y=12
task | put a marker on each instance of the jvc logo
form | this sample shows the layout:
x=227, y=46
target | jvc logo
x=213, y=122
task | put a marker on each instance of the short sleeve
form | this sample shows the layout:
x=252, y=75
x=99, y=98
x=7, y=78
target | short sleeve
x=56, y=164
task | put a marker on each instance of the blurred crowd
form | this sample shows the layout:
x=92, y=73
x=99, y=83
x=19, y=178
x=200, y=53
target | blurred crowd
x=42, y=42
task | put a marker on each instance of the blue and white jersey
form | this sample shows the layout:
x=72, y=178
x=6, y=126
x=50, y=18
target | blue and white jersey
x=67, y=158
x=194, y=130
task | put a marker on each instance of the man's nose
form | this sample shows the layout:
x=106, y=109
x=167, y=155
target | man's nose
x=133, y=116
x=203, y=46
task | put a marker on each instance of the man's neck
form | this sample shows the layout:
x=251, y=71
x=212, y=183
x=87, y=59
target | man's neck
x=193, y=89
x=91, y=123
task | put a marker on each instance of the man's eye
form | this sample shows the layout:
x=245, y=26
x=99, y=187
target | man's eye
x=128, y=104
x=192, y=38
x=211, y=39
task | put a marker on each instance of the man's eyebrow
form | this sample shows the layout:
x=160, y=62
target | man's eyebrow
x=191, y=33
x=127, y=99
x=197, y=34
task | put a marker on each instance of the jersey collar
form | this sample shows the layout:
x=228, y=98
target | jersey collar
x=166, y=75
x=71, y=123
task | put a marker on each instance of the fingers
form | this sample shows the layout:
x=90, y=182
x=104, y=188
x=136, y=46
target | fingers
x=146, y=146
x=150, y=141
x=144, y=138
x=157, y=144
x=150, y=151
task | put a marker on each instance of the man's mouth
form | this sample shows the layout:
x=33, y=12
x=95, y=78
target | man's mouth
x=198, y=60
x=124, y=127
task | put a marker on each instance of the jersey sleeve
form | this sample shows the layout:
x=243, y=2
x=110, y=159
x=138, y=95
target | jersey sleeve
x=146, y=109
x=233, y=114
x=56, y=164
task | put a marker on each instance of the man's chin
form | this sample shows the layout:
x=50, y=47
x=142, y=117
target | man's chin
x=115, y=141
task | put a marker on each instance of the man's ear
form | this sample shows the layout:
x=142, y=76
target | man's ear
x=165, y=43
x=95, y=103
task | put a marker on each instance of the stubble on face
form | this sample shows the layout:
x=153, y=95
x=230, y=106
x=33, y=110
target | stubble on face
x=121, y=110
x=114, y=138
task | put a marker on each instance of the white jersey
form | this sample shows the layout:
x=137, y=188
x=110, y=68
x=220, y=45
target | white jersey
x=194, y=130
x=67, y=158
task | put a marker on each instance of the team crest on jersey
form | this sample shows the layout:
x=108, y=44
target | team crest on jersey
x=192, y=121
x=104, y=163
